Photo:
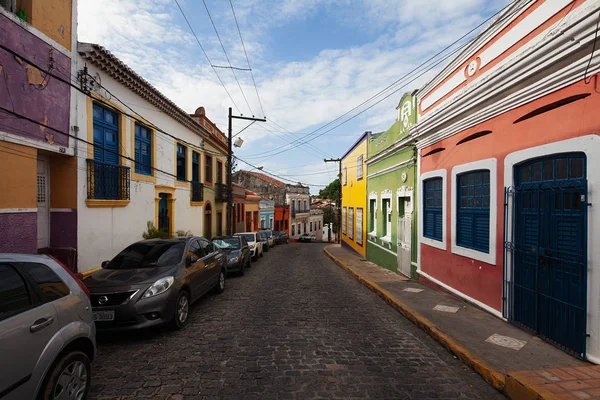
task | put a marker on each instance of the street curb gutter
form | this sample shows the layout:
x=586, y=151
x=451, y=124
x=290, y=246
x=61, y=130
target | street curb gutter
x=495, y=378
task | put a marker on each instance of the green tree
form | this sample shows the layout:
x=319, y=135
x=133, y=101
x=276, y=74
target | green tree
x=332, y=191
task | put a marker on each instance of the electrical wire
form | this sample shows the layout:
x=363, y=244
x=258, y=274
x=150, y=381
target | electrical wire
x=403, y=77
x=227, y=57
x=206, y=55
x=247, y=59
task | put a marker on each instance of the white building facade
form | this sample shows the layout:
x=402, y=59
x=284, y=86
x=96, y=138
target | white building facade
x=146, y=160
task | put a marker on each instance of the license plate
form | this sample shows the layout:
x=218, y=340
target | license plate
x=104, y=315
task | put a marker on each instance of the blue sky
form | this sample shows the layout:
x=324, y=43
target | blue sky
x=313, y=60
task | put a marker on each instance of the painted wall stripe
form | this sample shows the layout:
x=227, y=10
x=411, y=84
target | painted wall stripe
x=383, y=248
x=17, y=210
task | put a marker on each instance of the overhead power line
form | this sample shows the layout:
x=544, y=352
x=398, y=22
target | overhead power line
x=305, y=139
x=207, y=58
x=247, y=59
x=227, y=57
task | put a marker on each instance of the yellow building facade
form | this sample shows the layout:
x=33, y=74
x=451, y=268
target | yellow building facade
x=354, y=196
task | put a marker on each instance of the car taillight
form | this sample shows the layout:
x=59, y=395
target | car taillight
x=79, y=282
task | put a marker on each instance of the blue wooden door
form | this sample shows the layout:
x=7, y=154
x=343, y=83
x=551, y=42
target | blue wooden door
x=550, y=249
x=106, y=153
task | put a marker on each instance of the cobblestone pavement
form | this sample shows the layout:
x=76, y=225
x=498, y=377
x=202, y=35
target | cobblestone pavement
x=296, y=326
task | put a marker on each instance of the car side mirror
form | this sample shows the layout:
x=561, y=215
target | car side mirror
x=104, y=263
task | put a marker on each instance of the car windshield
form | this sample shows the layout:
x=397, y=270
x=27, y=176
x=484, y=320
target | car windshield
x=266, y=233
x=227, y=243
x=148, y=255
x=263, y=235
x=249, y=237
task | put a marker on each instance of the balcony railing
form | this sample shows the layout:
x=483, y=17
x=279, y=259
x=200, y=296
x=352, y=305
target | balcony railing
x=300, y=211
x=197, y=192
x=221, y=191
x=107, y=181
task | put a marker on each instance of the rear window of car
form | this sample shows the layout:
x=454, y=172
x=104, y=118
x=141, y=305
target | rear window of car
x=227, y=243
x=148, y=255
x=51, y=286
x=249, y=237
x=263, y=235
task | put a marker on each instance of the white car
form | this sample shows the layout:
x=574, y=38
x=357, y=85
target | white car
x=256, y=246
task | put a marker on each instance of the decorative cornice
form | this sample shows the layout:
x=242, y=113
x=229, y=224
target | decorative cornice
x=392, y=168
x=555, y=44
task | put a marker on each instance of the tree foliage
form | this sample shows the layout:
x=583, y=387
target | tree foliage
x=331, y=192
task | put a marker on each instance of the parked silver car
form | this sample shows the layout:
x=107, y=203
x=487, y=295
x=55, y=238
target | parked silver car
x=47, y=332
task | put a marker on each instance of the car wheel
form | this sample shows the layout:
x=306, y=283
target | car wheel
x=249, y=262
x=220, y=286
x=182, y=310
x=242, y=268
x=69, y=378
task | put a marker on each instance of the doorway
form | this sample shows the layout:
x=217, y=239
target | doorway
x=164, y=223
x=208, y=221
x=43, y=202
x=404, y=241
x=549, y=288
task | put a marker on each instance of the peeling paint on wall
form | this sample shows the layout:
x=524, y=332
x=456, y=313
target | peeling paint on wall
x=35, y=77
x=61, y=30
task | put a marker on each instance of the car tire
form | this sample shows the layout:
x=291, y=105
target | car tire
x=77, y=368
x=220, y=286
x=242, y=268
x=182, y=310
x=249, y=262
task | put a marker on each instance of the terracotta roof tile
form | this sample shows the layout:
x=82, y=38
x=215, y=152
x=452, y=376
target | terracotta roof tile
x=266, y=178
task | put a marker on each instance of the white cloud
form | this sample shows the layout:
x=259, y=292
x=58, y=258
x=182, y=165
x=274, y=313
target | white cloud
x=152, y=38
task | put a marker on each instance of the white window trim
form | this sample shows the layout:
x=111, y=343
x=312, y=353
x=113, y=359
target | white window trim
x=359, y=167
x=270, y=222
x=387, y=195
x=405, y=191
x=373, y=196
x=440, y=173
x=490, y=164
x=590, y=145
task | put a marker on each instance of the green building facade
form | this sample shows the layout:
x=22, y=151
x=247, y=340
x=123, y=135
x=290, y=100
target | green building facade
x=392, y=194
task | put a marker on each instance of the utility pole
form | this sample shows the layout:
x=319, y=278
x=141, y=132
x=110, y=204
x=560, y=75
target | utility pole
x=338, y=160
x=229, y=163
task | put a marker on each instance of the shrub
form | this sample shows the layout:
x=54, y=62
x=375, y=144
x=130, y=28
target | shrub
x=153, y=233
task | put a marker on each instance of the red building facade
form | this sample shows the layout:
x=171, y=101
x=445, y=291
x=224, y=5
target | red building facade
x=508, y=153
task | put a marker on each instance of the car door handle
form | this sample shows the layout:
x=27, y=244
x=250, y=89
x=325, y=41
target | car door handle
x=41, y=324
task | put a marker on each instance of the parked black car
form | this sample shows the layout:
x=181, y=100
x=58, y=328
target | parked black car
x=237, y=252
x=154, y=281
x=280, y=237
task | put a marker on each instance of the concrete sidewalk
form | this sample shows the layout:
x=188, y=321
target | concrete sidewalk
x=512, y=360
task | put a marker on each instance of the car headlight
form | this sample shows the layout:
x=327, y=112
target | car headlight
x=158, y=287
x=234, y=259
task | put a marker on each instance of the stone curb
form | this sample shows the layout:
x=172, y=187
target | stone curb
x=495, y=378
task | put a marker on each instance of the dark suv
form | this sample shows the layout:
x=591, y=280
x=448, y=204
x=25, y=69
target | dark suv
x=154, y=281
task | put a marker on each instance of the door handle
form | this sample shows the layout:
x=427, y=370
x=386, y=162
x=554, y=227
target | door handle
x=41, y=324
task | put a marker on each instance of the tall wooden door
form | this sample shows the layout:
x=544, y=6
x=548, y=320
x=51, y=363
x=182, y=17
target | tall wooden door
x=550, y=249
x=404, y=240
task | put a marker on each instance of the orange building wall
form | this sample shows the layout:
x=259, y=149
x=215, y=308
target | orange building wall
x=18, y=176
x=51, y=17
x=63, y=182
x=573, y=120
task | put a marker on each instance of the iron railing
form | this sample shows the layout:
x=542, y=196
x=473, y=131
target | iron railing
x=107, y=181
x=197, y=192
x=221, y=192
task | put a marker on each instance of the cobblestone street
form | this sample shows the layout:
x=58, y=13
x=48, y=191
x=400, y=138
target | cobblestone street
x=296, y=326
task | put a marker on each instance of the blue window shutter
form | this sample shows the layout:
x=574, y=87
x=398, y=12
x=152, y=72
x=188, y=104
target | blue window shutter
x=473, y=210
x=432, y=208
